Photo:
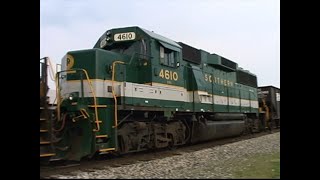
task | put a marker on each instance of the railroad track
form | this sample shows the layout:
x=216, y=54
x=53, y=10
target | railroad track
x=103, y=161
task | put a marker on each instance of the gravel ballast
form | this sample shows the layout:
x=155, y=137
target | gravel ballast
x=215, y=162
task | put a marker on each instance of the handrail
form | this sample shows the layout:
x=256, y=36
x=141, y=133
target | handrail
x=52, y=74
x=93, y=94
x=43, y=76
x=51, y=68
x=58, y=95
x=113, y=93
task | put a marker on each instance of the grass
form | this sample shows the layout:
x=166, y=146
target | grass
x=259, y=166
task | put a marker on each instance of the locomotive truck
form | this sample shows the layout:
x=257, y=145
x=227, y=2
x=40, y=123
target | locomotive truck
x=137, y=90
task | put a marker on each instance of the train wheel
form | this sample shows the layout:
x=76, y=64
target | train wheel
x=171, y=145
x=123, y=147
x=248, y=126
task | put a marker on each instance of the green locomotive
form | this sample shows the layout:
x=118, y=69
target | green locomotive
x=137, y=90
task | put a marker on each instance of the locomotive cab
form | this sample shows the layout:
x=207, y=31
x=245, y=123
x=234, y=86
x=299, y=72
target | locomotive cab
x=95, y=83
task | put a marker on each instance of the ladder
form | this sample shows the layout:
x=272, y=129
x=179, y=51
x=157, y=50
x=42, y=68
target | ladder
x=46, y=148
x=100, y=136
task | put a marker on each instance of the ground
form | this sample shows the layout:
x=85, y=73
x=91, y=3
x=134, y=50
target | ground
x=252, y=158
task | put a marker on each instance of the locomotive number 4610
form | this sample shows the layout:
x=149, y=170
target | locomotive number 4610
x=169, y=75
x=124, y=36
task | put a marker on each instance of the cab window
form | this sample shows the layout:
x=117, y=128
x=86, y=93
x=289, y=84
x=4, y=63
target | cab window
x=167, y=57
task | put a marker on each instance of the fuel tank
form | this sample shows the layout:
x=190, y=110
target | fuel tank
x=209, y=130
x=227, y=116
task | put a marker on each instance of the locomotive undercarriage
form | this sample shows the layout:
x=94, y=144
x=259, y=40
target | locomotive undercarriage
x=137, y=134
x=145, y=130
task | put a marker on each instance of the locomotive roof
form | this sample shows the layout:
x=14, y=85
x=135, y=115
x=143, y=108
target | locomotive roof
x=245, y=71
x=269, y=87
x=161, y=38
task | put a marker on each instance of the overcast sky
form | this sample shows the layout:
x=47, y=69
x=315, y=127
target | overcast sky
x=244, y=31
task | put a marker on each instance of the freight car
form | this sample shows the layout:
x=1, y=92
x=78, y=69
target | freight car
x=137, y=90
x=269, y=106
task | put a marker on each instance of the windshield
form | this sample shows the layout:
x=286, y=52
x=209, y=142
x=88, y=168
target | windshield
x=129, y=48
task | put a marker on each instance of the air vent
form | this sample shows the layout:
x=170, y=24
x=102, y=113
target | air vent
x=246, y=79
x=228, y=63
x=221, y=62
x=190, y=54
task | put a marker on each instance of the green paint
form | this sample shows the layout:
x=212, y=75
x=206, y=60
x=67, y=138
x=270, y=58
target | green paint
x=144, y=64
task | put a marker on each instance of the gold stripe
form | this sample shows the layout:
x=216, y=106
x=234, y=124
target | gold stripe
x=46, y=155
x=161, y=84
x=151, y=83
x=71, y=72
x=166, y=85
x=107, y=149
x=222, y=96
x=93, y=80
x=101, y=136
x=99, y=106
x=200, y=92
x=43, y=130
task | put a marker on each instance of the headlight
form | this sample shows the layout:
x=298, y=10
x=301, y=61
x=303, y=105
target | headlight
x=73, y=96
x=103, y=43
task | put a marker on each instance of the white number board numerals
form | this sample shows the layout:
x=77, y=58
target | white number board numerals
x=124, y=36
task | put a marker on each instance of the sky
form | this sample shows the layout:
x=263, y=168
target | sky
x=244, y=31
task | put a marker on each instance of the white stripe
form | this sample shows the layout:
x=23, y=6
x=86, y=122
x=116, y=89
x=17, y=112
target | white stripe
x=221, y=100
x=254, y=104
x=234, y=101
x=155, y=92
x=128, y=89
x=206, y=99
x=245, y=103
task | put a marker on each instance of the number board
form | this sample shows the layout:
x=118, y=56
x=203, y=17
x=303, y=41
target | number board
x=124, y=36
